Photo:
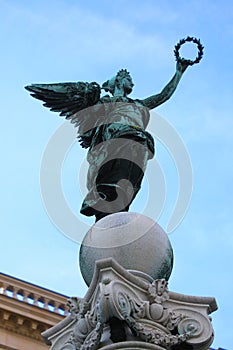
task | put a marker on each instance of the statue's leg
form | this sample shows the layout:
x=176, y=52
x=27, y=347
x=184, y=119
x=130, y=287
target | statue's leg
x=118, y=195
x=107, y=193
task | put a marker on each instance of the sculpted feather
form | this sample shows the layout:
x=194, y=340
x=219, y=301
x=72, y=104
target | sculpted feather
x=67, y=98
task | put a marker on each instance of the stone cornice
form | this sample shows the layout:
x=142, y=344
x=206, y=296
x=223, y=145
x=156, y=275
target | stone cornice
x=27, y=309
x=32, y=294
x=210, y=302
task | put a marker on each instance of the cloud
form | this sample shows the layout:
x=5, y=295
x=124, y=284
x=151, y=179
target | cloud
x=71, y=35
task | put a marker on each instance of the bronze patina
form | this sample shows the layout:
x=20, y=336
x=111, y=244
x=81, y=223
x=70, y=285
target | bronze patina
x=112, y=117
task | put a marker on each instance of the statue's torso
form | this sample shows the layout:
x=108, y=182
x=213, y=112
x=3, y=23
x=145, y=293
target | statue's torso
x=125, y=111
x=113, y=117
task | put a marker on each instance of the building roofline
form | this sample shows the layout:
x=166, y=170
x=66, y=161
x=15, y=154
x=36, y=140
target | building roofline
x=33, y=284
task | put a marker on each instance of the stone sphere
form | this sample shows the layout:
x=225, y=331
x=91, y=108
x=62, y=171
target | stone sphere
x=135, y=241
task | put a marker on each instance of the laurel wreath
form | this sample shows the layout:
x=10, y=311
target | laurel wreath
x=200, y=48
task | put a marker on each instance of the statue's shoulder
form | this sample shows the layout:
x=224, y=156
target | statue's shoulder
x=139, y=102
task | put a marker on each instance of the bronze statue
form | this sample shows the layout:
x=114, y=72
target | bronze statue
x=111, y=117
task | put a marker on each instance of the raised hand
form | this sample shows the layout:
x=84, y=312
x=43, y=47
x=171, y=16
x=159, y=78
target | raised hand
x=182, y=65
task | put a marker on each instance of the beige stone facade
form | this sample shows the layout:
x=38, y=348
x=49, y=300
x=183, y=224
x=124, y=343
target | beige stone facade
x=26, y=310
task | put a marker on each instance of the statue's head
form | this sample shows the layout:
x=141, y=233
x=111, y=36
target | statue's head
x=122, y=83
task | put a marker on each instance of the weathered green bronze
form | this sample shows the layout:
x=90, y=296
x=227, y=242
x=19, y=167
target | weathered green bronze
x=113, y=127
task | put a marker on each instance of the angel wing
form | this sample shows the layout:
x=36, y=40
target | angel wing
x=67, y=98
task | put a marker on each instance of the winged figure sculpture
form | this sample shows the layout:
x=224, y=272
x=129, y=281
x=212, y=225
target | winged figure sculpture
x=113, y=128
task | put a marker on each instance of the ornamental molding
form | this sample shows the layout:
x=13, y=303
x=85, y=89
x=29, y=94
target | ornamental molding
x=18, y=324
x=27, y=309
x=28, y=294
x=120, y=308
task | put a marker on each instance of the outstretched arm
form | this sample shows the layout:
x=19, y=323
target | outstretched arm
x=156, y=100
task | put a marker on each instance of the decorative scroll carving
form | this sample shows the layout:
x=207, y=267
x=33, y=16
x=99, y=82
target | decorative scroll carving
x=119, y=307
x=152, y=335
x=119, y=301
x=200, y=326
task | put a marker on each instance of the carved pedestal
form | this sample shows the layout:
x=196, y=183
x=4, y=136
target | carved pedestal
x=123, y=311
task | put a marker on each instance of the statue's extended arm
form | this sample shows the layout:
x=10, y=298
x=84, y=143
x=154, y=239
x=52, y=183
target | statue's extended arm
x=156, y=100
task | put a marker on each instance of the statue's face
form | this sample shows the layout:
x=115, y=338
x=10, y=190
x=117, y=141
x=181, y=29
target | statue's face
x=128, y=85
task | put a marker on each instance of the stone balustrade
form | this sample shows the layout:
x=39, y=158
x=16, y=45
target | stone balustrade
x=33, y=295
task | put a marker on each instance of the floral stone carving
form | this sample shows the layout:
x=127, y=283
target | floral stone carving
x=121, y=310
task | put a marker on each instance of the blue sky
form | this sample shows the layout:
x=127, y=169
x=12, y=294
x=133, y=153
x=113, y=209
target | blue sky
x=90, y=41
